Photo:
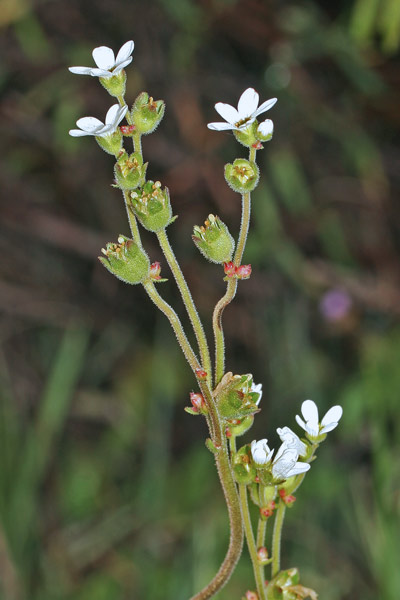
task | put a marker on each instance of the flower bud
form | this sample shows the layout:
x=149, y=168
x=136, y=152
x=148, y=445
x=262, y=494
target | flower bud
x=147, y=113
x=251, y=595
x=129, y=170
x=115, y=85
x=262, y=555
x=288, y=499
x=127, y=130
x=201, y=374
x=267, y=510
x=198, y=403
x=230, y=270
x=126, y=260
x=265, y=131
x=152, y=206
x=214, y=240
x=242, y=176
x=243, y=272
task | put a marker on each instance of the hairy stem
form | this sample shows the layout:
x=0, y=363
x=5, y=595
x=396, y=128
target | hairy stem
x=231, y=285
x=188, y=302
x=248, y=528
x=276, y=538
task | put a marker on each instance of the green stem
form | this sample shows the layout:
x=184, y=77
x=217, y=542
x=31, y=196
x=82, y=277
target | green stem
x=128, y=115
x=276, y=538
x=132, y=219
x=188, y=302
x=258, y=570
x=231, y=285
x=236, y=527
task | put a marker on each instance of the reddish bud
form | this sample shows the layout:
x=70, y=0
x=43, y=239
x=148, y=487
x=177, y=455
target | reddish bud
x=127, y=129
x=267, y=511
x=262, y=554
x=256, y=479
x=155, y=270
x=201, y=374
x=258, y=145
x=251, y=595
x=288, y=499
x=229, y=269
x=243, y=272
x=228, y=432
x=198, y=402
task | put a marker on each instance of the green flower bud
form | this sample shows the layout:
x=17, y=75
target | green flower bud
x=214, y=240
x=129, y=170
x=152, y=206
x=247, y=137
x=147, y=113
x=112, y=143
x=242, y=176
x=243, y=467
x=115, y=85
x=126, y=260
x=234, y=397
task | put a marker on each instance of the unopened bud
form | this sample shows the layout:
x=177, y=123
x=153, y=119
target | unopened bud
x=262, y=555
x=214, y=240
x=242, y=176
x=198, y=403
x=229, y=269
x=151, y=205
x=127, y=130
x=243, y=272
x=288, y=499
x=267, y=510
x=129, y=170
x=126, y=260
x=251, y=595
x=201, y=374
x=147, y=113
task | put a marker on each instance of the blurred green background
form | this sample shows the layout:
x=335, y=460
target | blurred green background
x=107, y=490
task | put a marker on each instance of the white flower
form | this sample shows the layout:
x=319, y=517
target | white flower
x=292, y=440
x=92, y=126
x=311, y=423
x=245, y=114
x=285, y=463
x=257, y=388
x=107, y=64
x=266, y=128
x=260, y=452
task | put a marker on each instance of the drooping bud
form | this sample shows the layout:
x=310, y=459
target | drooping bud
x=243, y=468
x=155, y=270
x=115, y=85
x=129, y=170
x=147, y=113
x=152, y=206
x=201, y=374
x=262, y=555
x=198, y=403
x=267, y=510
x=242, y=176
x=126, y=260
x=214, y=240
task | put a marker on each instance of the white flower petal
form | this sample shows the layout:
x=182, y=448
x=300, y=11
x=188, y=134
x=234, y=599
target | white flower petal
x=265, y=106
x=266, y=128
x=299, y=467
x=292, y=440
x=104, y=57
x=248, y=103
x=100, y=73
x=333, y=415
x=328, y=428
x=301, y=422
x=227, y=112
x=89, y=124
x=80, y=70
x=309, y=411
x=260, y=451
x=220, y=126
x=78, y=132
x=257, y=388
x=124, y=52
x=121, y=66
x=112, y=114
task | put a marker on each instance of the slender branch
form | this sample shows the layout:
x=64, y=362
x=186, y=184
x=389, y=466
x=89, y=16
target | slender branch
x=236, y=527
x=258, y=570
x=188, y=302
x=276, y=538
x=128, y=115
x=231, y=285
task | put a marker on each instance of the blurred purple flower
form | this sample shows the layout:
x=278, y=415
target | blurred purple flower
x=335, y=304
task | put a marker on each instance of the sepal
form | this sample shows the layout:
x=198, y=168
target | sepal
x=129, y=170
x=126, y=260
x=147, y=113
x=112, y=144
x=242, y=175
x=152, y=206
x=214, y=240
x=243, y=469
x=234, y=397
x=115, y=85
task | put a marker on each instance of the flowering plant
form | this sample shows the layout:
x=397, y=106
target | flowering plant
x=228, y=402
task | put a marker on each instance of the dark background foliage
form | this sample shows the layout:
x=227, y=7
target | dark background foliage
x=107, y=491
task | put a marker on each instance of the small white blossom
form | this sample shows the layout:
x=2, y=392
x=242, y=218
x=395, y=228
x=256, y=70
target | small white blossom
x=92, y=126
x=292, y=440
x=266, y=128
x=311, y=423
x=245, y=114
x=257, y=388
x=261, y=452
x=285, y=463
x=107, y=64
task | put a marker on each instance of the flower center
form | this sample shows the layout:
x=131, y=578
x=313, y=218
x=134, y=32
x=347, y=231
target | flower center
x=242, y=122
